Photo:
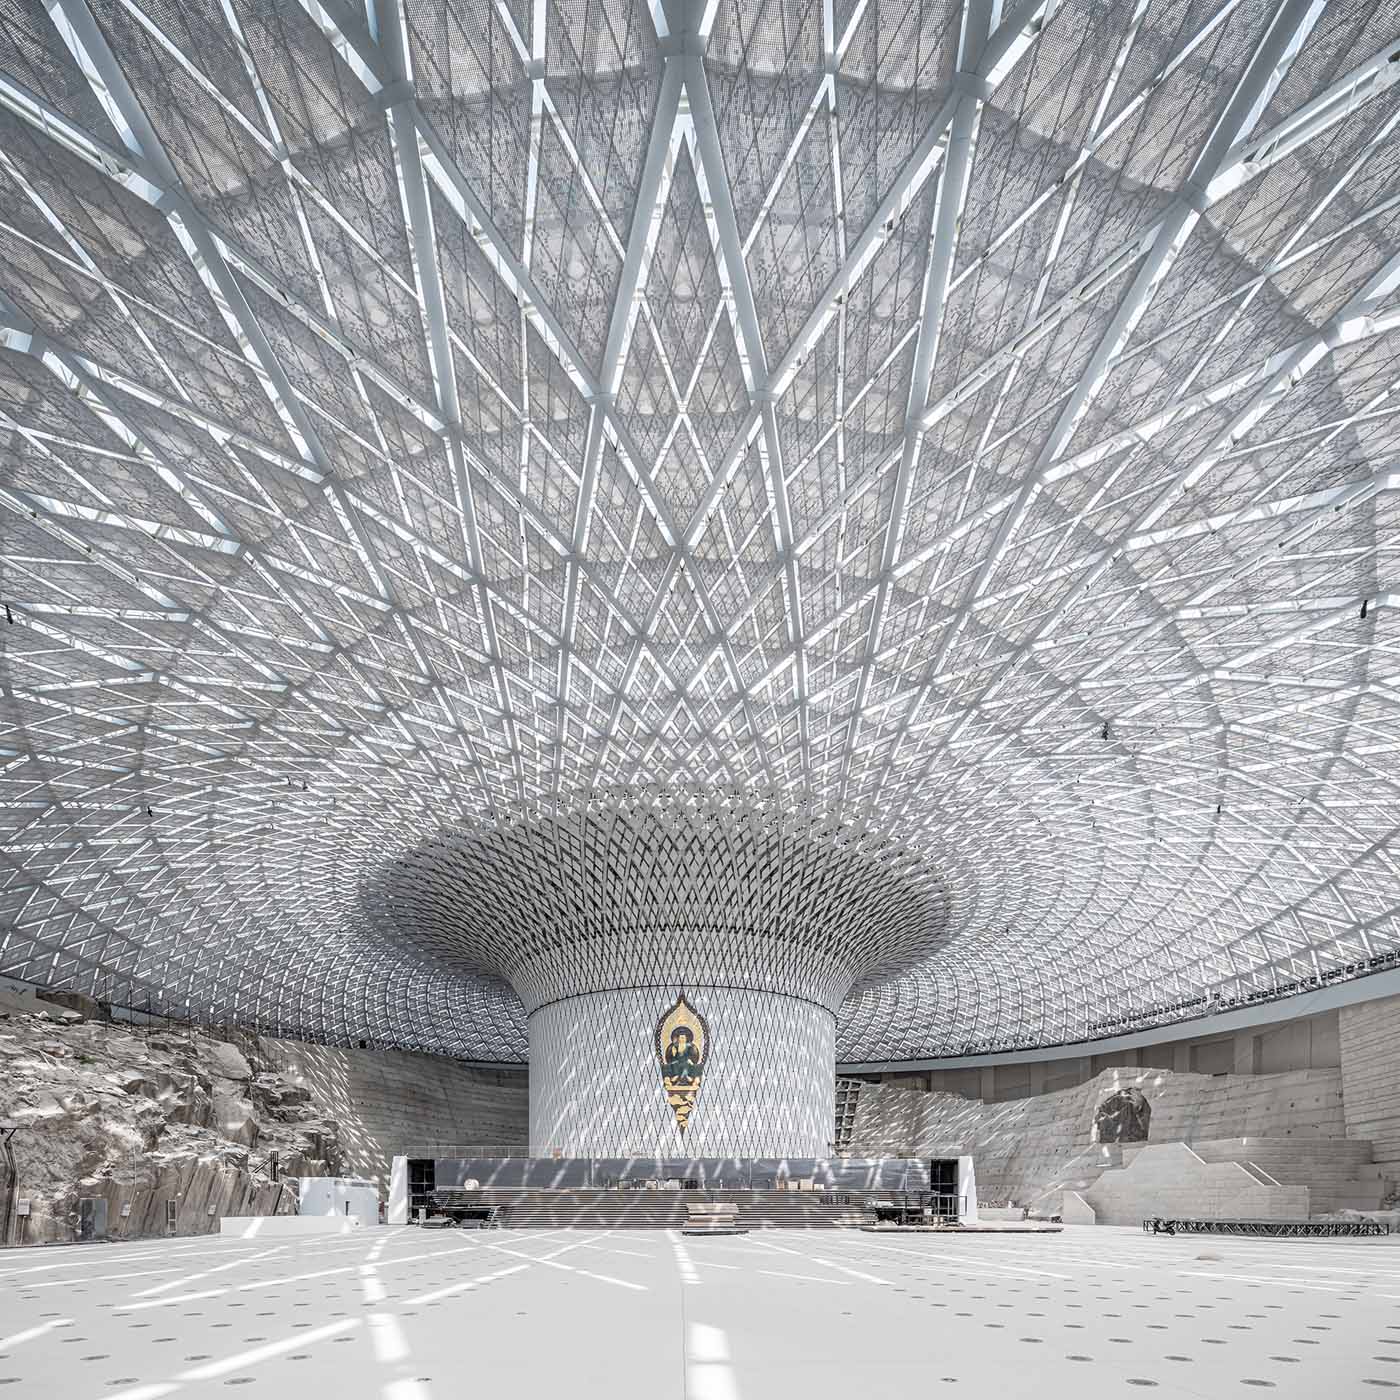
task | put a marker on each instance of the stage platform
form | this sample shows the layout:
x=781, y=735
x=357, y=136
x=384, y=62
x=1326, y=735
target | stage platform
x=656, y=1193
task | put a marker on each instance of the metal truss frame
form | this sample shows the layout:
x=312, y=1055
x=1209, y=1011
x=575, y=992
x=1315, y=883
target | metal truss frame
x=973, y=428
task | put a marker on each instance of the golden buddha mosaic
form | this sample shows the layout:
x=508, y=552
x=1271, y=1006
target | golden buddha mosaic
x=682, y=1048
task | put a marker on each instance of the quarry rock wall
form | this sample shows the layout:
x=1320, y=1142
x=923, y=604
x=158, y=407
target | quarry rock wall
x=173, y=1127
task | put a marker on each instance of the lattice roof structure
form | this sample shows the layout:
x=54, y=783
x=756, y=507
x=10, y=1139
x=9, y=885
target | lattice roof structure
x=975, y=419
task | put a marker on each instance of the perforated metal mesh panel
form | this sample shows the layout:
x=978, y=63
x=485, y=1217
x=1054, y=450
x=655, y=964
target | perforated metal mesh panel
x=766, y=1089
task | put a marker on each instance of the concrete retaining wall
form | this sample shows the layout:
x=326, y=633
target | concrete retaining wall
x=385, y=1100
x=1370, y=1037
x=1171, y=1180
x=202, y=1193
x=1028, y=1145
x=1303, y=1042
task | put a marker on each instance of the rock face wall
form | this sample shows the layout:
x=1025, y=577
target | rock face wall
x=157, y=1122
x=1024, y=1147
x=179, y=1127
x=1370, y=1035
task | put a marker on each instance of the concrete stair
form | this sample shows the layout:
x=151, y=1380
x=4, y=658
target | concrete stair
x=1172, y=1179
x=1077, y=1175
x=1339, y=1173
x=666, y=1210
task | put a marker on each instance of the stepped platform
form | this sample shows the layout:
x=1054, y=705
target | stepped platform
x=1339, y=1173
x=1231, y=1179
x=540, y=1209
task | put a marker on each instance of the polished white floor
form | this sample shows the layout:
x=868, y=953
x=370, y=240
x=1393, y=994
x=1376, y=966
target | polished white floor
x=404, y=1314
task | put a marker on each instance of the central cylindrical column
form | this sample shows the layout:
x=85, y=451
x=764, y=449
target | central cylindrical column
x=765, y=1088
x=603, y=908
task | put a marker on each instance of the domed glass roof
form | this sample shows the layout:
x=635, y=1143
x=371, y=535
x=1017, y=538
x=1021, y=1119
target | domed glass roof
x=972, y=422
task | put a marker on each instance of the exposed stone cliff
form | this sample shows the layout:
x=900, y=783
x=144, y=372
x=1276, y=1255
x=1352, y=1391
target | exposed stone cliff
x=143, y=1117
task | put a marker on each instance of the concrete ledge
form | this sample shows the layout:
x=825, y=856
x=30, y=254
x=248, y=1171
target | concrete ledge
x=1022, y=1227
x=252, y=1227
x=1075, y=1210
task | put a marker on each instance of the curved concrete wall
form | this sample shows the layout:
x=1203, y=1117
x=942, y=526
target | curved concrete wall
x=1371, y=1075
x=1023, y=1146
x=1268, y=1047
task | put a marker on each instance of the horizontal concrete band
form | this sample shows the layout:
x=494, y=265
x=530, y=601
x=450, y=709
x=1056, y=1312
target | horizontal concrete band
x=1372, y=987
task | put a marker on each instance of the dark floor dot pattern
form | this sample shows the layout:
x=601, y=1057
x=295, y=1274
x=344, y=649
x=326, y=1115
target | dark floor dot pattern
x=1145, y=1316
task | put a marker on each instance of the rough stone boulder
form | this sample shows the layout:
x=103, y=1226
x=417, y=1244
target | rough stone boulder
x=235, y=1119
x=227, y=1061
x=281, y=1100
x=180, y=1096
x=22, y=1001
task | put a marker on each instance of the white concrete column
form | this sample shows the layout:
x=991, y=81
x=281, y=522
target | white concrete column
x=967, y=1191
x=767, y=1086
x=398, y=1192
